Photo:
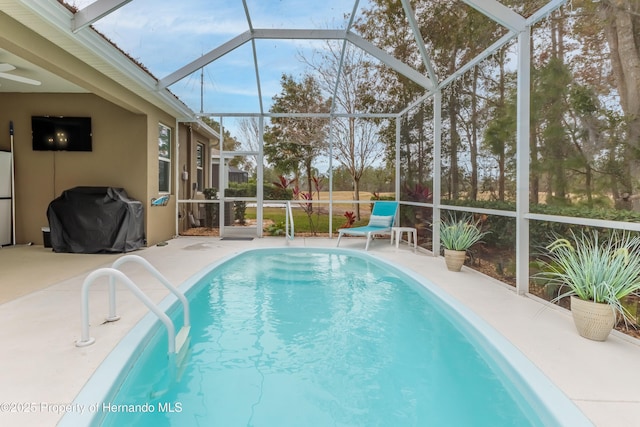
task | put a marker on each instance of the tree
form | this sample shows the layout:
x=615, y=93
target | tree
x=500, y=130
x=229, y=143
x=249, y=130
x=454, y=33
x=291, y=144
x=576, y=137
x=620, y=20
x=585, y=132
x=385, y=25
x=553, y=87
x=355, y=141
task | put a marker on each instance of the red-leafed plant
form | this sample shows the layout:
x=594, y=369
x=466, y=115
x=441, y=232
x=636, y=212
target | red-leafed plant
x=283, y=182
x=419, y=193
x=318, y=184
x=351, y=218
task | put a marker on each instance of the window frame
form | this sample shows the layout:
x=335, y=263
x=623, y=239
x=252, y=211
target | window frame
x=200, y=156
x=164, y=157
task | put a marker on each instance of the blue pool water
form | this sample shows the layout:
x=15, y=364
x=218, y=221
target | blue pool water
x=323, y=338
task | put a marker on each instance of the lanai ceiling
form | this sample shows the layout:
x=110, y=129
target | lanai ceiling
x=227, y=56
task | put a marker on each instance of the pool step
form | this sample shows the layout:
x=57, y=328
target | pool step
x=283, y=275
x=182, y=338
x=291, y=280
x=183, y=350
x=289, y=270
x=290, y=259
x=287, y=264
x=177, y=364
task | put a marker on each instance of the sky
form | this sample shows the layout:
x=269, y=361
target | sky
x=164, y=35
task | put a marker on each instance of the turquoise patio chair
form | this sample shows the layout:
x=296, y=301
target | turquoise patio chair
x=383, y=216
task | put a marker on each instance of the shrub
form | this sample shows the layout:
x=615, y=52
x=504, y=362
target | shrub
x=460, y=234
x=594, y=269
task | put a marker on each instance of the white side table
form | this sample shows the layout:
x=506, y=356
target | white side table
x=396, y=233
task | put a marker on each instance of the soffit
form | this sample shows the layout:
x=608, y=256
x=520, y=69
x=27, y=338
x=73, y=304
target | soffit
x=52, y=21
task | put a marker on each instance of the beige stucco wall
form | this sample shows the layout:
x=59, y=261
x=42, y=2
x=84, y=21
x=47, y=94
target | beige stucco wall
x=118, y=158
x=125, y=155
x=160, y=219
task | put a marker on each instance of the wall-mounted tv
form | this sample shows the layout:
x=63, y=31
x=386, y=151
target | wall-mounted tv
x=61, y=133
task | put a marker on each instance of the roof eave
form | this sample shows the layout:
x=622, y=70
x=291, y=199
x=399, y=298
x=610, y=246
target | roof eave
x=95, y=50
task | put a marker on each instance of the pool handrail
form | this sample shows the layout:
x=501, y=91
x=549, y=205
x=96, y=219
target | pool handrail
x=289, y=219
x=113, y=273
x=154, y=271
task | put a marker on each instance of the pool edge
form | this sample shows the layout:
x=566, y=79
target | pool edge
x=546, y=393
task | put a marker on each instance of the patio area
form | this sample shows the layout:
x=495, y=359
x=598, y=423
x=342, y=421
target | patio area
x=41, y=311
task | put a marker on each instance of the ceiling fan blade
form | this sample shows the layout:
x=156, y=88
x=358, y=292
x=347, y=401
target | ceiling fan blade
x=6, y=67
x=19, y=79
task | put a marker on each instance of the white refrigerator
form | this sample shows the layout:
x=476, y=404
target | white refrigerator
x=6, y=211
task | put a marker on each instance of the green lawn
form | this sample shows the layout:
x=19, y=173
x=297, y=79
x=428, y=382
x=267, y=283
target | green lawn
x=301, y=220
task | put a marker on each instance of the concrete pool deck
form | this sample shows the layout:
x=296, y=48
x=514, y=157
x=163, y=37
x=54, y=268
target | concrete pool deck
x=40, y=311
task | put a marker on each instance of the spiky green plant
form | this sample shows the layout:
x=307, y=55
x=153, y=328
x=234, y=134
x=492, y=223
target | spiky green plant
x=603, y=271
x=460, y=234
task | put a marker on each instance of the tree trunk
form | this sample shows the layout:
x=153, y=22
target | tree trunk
x=453, y=155
x=474, y=136
x=309, y=168
x=588, y=183
x=406, y=140
x=356, y=196
x=421, y=143
x=554, y=133
x=353, y=165
x=534, y=172
x=614, y=179
x=622, y=29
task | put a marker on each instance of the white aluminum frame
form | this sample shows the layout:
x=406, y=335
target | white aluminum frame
x=517, y=26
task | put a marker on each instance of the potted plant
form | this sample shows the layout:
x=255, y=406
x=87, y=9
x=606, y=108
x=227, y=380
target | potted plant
x=596, y=274
x=457, y=236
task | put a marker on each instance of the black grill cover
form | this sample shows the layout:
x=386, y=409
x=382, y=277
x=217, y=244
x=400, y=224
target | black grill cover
x=93, y=220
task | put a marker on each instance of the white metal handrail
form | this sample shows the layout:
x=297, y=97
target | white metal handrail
x=289, y=220
x=114, y=273
x=86, y=339
x=151, y=269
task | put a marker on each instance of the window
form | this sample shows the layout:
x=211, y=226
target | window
x=164, y=158
x=200, y=165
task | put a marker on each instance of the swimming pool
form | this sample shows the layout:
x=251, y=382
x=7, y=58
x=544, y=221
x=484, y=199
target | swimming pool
x=322, y=337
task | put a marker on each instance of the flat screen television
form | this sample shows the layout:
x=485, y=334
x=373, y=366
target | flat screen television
x=55, y=133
